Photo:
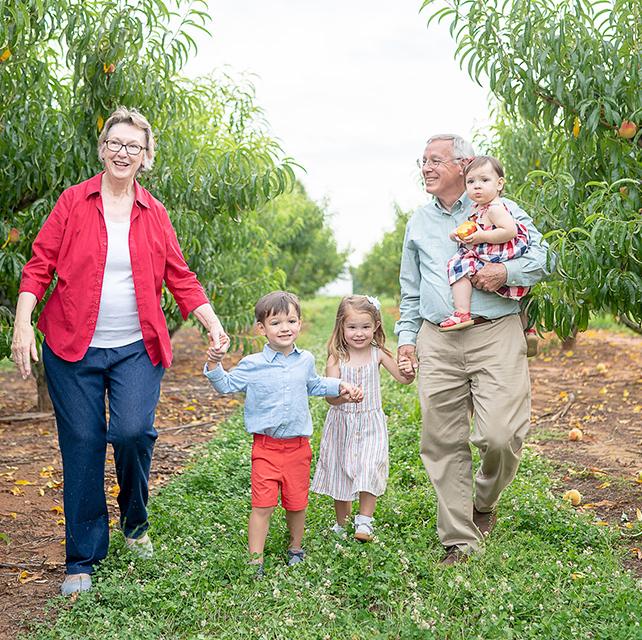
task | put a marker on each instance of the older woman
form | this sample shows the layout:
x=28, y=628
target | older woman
x=112, y=246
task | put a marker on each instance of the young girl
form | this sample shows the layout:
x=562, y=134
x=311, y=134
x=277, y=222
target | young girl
x=353, y=458
x=499, y=237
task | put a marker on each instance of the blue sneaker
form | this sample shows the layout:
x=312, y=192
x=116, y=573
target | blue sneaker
x=294, y=557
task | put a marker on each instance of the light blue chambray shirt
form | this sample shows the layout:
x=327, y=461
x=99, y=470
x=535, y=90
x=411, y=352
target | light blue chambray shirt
x=425, y=292
x=276, y=390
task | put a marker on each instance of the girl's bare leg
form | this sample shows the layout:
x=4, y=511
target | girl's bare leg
x=343, y=510
x=367, y=503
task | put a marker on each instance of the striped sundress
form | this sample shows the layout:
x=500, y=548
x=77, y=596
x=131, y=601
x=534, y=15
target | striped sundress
x=469, y=260
x=353, y=456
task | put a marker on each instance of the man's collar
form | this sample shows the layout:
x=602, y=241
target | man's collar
x=463, y=202
x=270, y=353
x=94, y=184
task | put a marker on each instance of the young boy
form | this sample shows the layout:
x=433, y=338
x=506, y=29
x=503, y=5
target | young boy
x=277, y=383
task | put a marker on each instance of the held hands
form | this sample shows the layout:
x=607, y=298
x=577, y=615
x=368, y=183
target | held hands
x=406, y=352
x=217, y=349
x=350, y=393
x=406, y=367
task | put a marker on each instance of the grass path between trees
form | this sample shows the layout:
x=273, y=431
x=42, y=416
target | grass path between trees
x=546, y=573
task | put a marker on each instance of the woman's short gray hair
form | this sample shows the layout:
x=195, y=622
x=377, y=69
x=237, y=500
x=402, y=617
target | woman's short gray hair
x=137, y=119
x=461, y=147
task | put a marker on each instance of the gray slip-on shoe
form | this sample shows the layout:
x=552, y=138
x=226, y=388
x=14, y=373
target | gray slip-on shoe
x=141, y=547
x=75, y=583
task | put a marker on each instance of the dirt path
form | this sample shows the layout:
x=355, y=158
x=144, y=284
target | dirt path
x=597, y=386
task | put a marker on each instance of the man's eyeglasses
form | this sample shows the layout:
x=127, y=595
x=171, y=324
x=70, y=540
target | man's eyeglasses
x=434, y=164
x=115, y=147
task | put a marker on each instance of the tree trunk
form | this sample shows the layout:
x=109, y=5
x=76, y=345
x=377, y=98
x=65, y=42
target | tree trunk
x=44, y=401
x=569, y=343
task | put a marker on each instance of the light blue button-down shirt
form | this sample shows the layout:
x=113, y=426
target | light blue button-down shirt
x=425, y=292
x=276, y=390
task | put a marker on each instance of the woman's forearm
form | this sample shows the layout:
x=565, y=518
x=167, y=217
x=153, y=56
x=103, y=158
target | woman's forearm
x=27, y=302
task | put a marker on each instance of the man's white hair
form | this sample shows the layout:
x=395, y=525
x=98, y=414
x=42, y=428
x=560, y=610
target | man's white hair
x=461, y=148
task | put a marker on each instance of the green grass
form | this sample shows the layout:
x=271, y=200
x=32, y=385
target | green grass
x=546, y=573
x=6, y=364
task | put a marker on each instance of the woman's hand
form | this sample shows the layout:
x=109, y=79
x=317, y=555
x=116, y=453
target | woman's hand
x=216, y=334
x=23, y=345
x=23, y=348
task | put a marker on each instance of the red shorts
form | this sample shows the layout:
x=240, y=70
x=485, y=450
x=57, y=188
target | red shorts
x=281, y=464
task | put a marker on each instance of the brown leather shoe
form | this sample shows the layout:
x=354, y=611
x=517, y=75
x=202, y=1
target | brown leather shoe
x=484, y=520
x=454, y=555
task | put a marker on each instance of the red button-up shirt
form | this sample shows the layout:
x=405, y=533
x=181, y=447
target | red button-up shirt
x=73, y=244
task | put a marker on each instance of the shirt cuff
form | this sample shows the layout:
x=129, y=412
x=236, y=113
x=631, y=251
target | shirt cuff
x=512, y=273
x=32, y=286
x=406, y=337
x=214, y=374
x=332, y=387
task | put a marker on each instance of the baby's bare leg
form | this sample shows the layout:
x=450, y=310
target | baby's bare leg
x=462, y=292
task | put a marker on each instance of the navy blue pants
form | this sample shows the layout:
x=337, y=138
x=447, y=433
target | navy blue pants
x=77, y=389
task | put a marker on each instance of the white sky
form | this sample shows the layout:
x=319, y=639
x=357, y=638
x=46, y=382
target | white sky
x=352, y=89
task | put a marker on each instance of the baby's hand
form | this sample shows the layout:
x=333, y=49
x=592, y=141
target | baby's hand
x=453, y=236
x=476, y=237
x=406, y=367
x=350, y=392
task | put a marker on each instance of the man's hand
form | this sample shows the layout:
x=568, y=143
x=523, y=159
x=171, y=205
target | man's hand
x=490, y=277
x=407, y=352
x=406, y=368
x=350, y=392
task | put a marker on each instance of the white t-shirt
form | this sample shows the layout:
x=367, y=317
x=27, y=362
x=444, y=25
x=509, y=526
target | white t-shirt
x=117, y=323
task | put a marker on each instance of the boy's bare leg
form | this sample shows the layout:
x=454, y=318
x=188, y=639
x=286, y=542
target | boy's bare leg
x=257, y=531
x=343, y=511
x=367, y=503
x=296, y=526
x=462, y=292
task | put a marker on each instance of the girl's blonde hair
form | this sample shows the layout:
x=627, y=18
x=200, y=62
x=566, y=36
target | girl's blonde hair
x=337, y=346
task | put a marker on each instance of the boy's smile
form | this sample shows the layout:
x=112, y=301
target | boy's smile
x=281, y=330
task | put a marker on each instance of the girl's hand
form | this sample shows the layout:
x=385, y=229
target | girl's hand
x=406, y=367
x=350, y=392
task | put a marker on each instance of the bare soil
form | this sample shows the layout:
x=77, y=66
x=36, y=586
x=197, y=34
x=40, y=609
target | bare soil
x=597, y=387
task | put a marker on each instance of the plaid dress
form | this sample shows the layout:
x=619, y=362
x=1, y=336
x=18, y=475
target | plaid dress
x=470, y=259
x=353, y=456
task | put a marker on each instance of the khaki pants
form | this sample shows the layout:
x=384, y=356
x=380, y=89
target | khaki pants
x=480, y=370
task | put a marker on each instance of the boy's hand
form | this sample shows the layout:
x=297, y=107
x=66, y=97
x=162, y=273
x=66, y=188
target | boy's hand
x=214, y=354
x=350, y=392
x=406, y=367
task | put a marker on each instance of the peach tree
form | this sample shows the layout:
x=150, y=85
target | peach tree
x=64, y=66
x=565, y=78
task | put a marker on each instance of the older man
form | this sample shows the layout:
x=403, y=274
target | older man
x=480, y=370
